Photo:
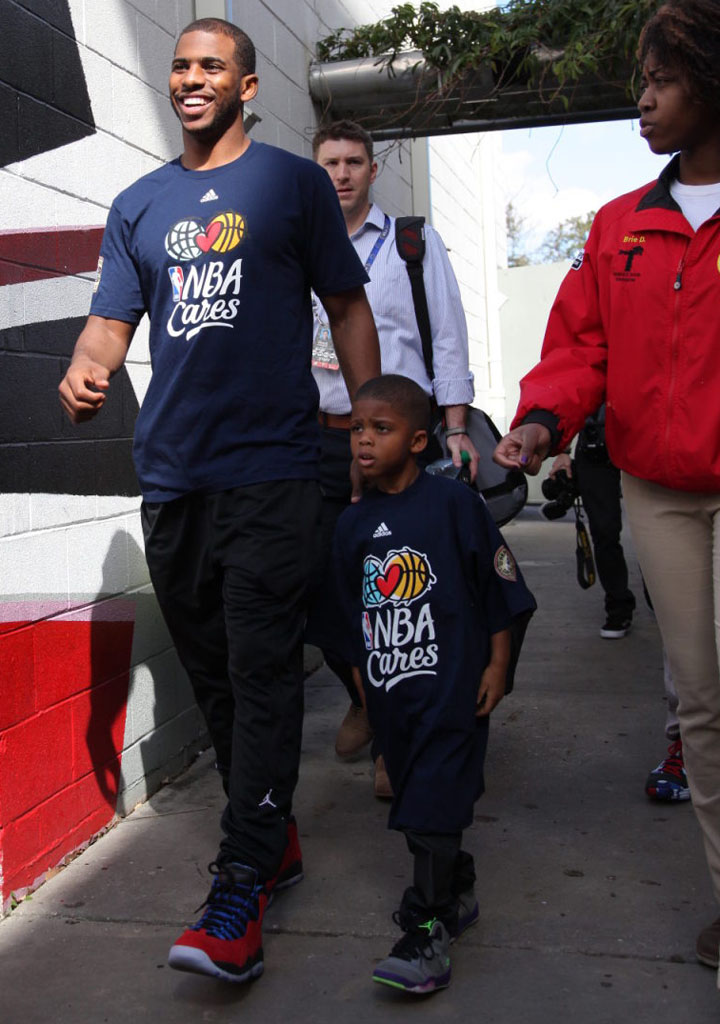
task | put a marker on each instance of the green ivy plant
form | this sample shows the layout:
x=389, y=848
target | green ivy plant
x=530, y=41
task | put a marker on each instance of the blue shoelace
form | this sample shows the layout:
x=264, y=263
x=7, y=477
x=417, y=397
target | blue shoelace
x=231, y=903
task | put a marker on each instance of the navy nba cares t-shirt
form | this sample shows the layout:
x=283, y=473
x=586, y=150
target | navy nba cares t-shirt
x=423, y=580
x=223, y=262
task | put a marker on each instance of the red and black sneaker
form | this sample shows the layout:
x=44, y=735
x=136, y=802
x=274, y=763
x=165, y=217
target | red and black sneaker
x=290, y=871
x=227, y=940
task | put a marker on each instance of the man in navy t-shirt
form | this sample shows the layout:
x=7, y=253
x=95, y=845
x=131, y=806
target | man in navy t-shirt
x=221, y=248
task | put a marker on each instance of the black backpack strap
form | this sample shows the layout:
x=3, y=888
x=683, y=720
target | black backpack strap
x=410, y=243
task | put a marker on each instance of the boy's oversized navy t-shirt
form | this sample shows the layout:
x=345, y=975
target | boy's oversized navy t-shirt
x=425, y=578
x=223, y=262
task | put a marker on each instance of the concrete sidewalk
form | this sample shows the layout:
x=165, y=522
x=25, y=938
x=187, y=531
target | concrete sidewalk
x=591, y=896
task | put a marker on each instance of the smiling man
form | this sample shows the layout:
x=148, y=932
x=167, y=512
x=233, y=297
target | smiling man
x=221, y=247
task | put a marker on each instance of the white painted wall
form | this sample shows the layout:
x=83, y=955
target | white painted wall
x=527, y=293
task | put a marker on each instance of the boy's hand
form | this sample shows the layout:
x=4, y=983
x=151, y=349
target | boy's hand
x=492, y=689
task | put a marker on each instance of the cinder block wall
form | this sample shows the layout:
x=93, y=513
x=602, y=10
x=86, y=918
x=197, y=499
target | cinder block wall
x=94, y=707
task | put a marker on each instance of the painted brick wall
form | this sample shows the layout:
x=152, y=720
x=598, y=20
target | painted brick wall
x=94, y=707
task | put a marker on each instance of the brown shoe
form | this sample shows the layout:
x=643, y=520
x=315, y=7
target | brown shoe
x=708, y=945
x=354, y=733
x=383, y=789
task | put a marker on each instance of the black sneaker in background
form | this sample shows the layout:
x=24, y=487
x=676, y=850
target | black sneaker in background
x=616, y=627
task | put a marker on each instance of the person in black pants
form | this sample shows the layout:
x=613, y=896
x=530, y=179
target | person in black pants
x=226, y=445
x=598, y=481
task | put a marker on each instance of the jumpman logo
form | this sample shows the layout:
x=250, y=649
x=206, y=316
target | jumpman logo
x=266, y=801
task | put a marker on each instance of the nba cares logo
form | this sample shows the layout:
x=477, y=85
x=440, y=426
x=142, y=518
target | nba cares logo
x=190, y=239
x=403, y=577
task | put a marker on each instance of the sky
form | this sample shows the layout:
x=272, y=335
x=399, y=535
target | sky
x=553, y=173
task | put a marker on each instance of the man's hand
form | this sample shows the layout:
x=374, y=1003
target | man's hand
x=83, y=389
x=524, y=448
x=562, y=464
x=461, y=443
x=99, y=352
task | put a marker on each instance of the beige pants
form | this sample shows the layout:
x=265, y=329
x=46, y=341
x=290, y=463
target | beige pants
x=677, y=539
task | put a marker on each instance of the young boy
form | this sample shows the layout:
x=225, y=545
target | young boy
x=429, y=590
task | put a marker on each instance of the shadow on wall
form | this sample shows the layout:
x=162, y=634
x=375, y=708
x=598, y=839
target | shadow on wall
x=112, y=627
x=143, y=724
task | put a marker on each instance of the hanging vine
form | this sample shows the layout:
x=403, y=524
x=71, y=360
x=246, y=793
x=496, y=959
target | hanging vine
x=530, y=41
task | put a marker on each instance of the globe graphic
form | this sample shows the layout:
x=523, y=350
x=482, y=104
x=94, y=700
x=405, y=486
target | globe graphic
x=371, y=595
x=180, y=240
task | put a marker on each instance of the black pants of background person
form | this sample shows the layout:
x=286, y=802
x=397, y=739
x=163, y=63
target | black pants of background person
x=599, y=486
x=335, y=459
x=231, y=573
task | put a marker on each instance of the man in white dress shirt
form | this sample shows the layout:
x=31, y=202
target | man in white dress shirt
x=345, y=150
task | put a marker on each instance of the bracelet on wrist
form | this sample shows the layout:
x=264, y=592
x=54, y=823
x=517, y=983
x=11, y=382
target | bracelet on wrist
x=455, y=431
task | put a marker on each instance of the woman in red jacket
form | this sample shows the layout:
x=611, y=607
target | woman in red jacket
x=636, y=323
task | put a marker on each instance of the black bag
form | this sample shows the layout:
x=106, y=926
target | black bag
x=504, y=490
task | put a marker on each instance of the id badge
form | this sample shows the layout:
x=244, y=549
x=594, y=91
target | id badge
x=323, y=353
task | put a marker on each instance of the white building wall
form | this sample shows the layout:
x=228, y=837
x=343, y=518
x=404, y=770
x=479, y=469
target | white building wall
x=462, y=169
x=527, y=293
x=464, y=208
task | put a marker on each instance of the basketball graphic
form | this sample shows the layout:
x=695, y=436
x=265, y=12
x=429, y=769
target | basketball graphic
x=403, y=577
x=180, y=240
x=413, y=576
x=232, y=229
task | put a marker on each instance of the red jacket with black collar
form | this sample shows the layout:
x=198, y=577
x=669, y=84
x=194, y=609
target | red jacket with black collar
x=636, y=323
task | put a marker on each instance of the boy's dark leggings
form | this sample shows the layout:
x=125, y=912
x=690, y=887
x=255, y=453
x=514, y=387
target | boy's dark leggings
x=442, y=870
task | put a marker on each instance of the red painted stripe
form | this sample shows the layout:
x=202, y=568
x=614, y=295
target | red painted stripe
x=40, y=253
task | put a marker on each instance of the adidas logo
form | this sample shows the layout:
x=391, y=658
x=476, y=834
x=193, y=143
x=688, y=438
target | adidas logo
x=382, y=531
x=209, y=196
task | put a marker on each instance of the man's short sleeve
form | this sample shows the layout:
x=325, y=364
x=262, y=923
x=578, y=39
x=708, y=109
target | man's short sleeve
x=333, y=264
x=118, y=293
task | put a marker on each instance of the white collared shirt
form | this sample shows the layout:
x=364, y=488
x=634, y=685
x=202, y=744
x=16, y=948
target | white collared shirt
x=390, y=298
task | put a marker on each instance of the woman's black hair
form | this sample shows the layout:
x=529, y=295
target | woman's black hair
x=685, y=35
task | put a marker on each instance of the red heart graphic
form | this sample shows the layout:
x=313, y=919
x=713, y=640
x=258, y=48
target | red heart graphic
x=205, y=242
x=387, y=583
